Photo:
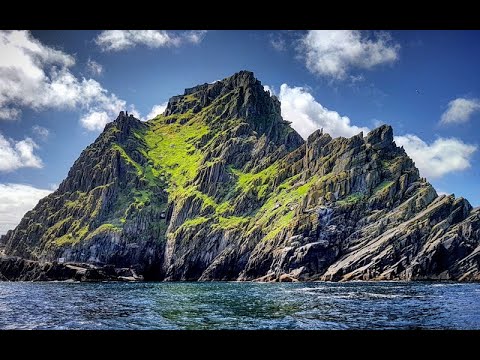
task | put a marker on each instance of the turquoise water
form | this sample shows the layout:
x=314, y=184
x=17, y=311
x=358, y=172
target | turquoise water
x=358, y=305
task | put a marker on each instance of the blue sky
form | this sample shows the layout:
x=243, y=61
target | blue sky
x=59, y=88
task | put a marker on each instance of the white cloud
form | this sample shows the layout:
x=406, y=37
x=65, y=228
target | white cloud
x=434, y=160
x=270, y=89
x=95, y=120
x=443, y=156
x=41, y=132
x=94, y=68
x=116, y=40
x=157, y=109
x=18, y=154
x=133, y=110
x=308, y=115
x=376, y=123
x=9, y=113
x=36, y=76
x=460, y=110
x=333, y=53
x=356, y=79
x=15, y=201
x=194, y=36
x=278, y=44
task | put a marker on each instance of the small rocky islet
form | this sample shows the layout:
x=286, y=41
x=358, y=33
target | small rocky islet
x=220, y=187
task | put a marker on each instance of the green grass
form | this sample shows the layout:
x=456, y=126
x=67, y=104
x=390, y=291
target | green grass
x=103, y=229
x=173, y=158
x=128, y=159
x=280, y=224
x=189, y=98
x=231, y=222
x=277, y=212
x=193, y=191
x=171, y=148
x=142, y=197
x=303, y=189
x=386, y=164
x=382, y=186
x=351, y=199
x=195, y=222
x=190, y=223
x=246, y=180
x=289, y=182
x=224, y=207
x=72, y=237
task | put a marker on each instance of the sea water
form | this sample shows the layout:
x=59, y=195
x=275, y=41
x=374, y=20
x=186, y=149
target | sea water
x=232, y=305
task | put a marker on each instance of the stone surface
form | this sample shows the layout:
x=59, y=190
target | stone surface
x=220, y=187
x=18, y=269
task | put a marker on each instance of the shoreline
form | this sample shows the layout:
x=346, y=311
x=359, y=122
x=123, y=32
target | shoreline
x=16, y=269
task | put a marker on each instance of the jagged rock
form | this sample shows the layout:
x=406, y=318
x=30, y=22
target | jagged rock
x=220, y=187
x=286, y=278
x=18, y=269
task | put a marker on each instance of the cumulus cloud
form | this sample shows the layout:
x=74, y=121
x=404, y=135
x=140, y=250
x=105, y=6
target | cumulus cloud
x=18, y=154
x=116, y=40
x=332, y=53
x=156, y=110
x=307, y=115
x=15, y=201
x=460, y=111
x=95, y=120
x=36, y=76
x=443, y=156
x=94, y=68
x=40, y=132
x=9, y=113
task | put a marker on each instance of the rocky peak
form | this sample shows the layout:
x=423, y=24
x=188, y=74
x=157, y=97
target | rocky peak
x=381, y=137
x=220, y=187
x=124, y=117
x=248, y=98
x=124, y=122
x=238, y=98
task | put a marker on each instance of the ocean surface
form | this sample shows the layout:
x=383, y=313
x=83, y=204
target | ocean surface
x=230, y=305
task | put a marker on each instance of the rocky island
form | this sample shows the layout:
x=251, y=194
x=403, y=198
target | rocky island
x=220, y=187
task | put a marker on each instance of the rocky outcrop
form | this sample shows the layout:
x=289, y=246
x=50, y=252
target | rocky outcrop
x=98, y=214
x=18, y=269
x=220, y=187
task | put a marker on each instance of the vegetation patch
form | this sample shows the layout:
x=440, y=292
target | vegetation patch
x=72, y=237
x=128, y=159
x=171, y=148
x=232, y=222
x=382, y=186
x=278, y=211
x=351, y=199
x=104, y=228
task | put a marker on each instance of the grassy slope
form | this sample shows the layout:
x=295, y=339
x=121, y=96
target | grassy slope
x=171, y=149
x=173, y=161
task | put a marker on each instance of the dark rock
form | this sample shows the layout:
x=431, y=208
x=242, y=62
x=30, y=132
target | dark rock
x=18, y=269
x=239, y=195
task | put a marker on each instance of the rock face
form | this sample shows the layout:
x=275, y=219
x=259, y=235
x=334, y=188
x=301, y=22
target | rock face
x=18, y=269
x=220, y=187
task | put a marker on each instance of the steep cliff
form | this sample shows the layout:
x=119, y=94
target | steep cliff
x=220, y=187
